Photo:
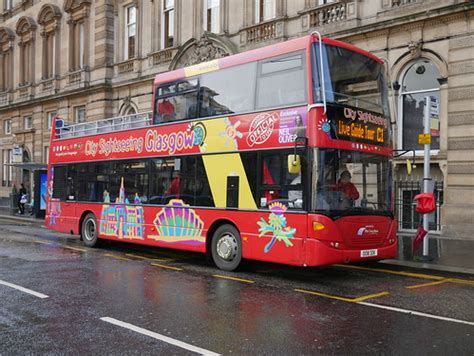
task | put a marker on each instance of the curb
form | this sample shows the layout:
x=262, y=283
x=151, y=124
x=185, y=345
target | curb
x=34, y=221
x=428, y=266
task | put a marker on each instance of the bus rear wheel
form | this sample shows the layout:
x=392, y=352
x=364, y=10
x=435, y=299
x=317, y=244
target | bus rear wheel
x=226, y=247
x=89, y=231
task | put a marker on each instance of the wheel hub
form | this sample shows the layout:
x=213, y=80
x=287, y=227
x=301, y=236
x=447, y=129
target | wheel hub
x=90, y=230
x=227, y=247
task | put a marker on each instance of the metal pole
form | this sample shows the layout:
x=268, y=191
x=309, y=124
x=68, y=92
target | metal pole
x=426, y=170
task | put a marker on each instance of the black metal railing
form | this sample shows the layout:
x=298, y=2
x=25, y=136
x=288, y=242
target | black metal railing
x=408, y=218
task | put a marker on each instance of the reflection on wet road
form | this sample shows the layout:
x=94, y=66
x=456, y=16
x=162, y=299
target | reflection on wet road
x=124, y=298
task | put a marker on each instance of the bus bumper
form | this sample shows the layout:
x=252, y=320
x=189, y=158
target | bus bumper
x=318, y=253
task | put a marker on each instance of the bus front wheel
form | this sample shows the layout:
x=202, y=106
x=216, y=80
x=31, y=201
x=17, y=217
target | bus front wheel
x=226, y=247
x=89, y=231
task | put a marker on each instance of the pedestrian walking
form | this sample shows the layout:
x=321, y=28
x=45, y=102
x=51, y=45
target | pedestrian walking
x=22, y=199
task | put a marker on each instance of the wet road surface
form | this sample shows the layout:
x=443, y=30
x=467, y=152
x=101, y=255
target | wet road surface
x=126, y=299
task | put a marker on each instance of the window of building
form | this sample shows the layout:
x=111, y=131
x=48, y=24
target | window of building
x=81, y=51
x=324, y=2
x=78, y=22
x=7, y=127
x=46, y=154
x=51, y=115
x=130, y=32
x=419, y=81
x=79, y=114
x=25, y=30
x=212, y=15
x=6, y=59
x=7, y=171
x=265, y=10
x=27, y=122
x=168, y=24
x=49, y=19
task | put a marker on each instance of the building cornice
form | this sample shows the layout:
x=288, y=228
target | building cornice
x=413, y=21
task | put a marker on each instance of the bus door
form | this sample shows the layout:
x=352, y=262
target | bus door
x=63, y=216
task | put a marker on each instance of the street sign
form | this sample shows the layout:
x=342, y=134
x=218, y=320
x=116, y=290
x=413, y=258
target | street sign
x=17, y=154
x=424, y=139
x=434, y=113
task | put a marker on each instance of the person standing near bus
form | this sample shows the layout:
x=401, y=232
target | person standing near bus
x=22, y=199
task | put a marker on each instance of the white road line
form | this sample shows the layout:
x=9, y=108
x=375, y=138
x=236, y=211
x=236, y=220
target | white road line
x=26, y=290
x=157, y=336
x=406, y=311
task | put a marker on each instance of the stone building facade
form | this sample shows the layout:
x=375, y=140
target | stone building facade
x=87, y=60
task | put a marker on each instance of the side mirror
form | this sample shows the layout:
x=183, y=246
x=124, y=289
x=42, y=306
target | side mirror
x=294, y=164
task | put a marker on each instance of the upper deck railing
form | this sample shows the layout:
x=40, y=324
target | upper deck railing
x=113, y=124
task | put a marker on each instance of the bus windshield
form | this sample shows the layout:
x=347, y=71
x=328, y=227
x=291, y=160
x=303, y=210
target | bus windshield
x=350, y=78
x=351, y=183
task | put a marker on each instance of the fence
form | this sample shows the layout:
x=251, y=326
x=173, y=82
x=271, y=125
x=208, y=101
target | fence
x=408, y=218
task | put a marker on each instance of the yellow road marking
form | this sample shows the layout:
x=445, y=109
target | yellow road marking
x=429, y=284
x=165, y=266
x=117, y=257
x=398, y=273
x=74, y=248
x=409, y=274
x=349, y=300
x=370, y=296
x=149, y=258
x=233, y=278
x=462, y=281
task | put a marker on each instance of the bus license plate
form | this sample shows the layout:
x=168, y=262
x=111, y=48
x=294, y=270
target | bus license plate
x=368, y=253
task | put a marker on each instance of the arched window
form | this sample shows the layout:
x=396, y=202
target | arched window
x=78, y=22
x=6, y=59
x=25, y=29
x=129, y=110
x=420, y=79
x=49, y=19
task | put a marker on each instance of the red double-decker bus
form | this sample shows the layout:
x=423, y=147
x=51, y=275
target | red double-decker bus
x=280, y=154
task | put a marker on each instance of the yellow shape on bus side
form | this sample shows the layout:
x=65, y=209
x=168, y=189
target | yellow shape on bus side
x=220, y=166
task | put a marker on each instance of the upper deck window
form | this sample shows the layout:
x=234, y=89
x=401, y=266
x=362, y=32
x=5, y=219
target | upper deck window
x=272, y=83
x=352, y=79
x=281, y=82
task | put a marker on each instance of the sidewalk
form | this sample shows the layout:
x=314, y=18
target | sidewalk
x=448, y=255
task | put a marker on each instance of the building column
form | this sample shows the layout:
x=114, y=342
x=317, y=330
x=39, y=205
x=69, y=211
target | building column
x=2, y=69
x=50, y=54
x=45, y=57
x=31, y=61
x=71, y=24
x=56, y=53
x=77, y=39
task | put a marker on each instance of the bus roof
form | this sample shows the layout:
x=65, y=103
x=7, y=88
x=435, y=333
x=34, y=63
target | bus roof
x=281, y=48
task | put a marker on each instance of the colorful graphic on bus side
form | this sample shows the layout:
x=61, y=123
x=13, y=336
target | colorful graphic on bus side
x=177, y=223
x=122, y=220
x=277, y=226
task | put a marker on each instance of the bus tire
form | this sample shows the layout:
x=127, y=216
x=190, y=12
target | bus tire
x=89, y=231
x=226, y=247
